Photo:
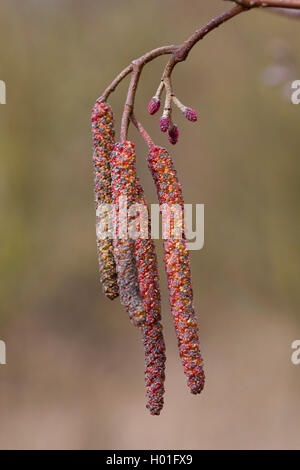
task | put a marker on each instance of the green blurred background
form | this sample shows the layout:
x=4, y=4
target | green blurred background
x=74, y=373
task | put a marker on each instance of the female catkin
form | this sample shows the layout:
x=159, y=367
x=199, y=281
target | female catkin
x=124, y=190
x=103, y=139
x=152, y=335
x=178, y=272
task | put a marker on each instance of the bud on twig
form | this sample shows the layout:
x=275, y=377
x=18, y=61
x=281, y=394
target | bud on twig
x=173, y=134
x=153, y=106
x=190, y=114
x=164, y=123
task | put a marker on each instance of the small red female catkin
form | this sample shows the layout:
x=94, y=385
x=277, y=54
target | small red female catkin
x=178, y=272
x=173, y=134
x=154, y=105
x=164, y=123
x=123, y=173
x=152, y=334
x=190, y=114
x=103, y=139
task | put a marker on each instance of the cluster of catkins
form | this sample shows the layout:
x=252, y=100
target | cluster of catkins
x=165, y=122
x=128, y=267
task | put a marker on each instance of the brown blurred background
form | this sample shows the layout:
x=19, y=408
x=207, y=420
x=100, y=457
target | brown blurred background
x=74, y=373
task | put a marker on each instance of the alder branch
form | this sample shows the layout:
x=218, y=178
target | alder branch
x=180, y=53
x=183, y=51
x=144, y=60
x=286, y=12
x=268, y=3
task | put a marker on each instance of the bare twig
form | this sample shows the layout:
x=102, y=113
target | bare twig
x=180, y=53
x=142, y=131
x=128, y=108
x=168, y=100
x=116, y=82
x=159, y=90
x=291, y=13
x=268, y=3
x=178, y=103
x=137, y=67
x=144, y=60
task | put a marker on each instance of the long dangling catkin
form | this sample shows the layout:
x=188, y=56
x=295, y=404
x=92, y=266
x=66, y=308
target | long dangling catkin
x=152, y=334
x=123, y=173
x=103, y=139
x=178, y=272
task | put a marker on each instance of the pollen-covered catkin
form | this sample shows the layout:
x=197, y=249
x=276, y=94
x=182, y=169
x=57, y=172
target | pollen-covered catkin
x=152, y=334
x=178, y=272
x=123, y=173
x=103, y=139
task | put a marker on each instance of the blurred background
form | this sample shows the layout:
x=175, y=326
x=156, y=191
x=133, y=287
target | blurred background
x=74, y=374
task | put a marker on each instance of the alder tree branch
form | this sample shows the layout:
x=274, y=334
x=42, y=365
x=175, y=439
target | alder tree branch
x=179, y=54
x=268, y=3
x=292, y=13
x=144, y=60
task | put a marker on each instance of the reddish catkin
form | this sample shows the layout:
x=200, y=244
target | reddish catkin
x=123, y=173
x=164, y=123
x=152, y=333
x=154, y=105
x=173, y=134
x=190, y=114
x=178, y=272
x=103, y=139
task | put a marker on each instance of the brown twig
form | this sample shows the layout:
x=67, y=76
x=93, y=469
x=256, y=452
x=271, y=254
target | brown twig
x=180, y=53
x=291, y=13
x=144, y=60
x=159, y=90
x=168, y=100
x=137, y=67
x=183, y=51
x=142, y=131
x=268, y=3
x=128, y=108
x=116, y=82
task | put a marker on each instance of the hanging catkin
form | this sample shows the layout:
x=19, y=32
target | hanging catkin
x=152, y=334
x=123, y=174
x=178, y=272
x=103, y=138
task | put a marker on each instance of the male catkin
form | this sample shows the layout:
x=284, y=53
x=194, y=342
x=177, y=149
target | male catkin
x=103, y=139
x=152, y=335
x=178, y=271
x=123, y=174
